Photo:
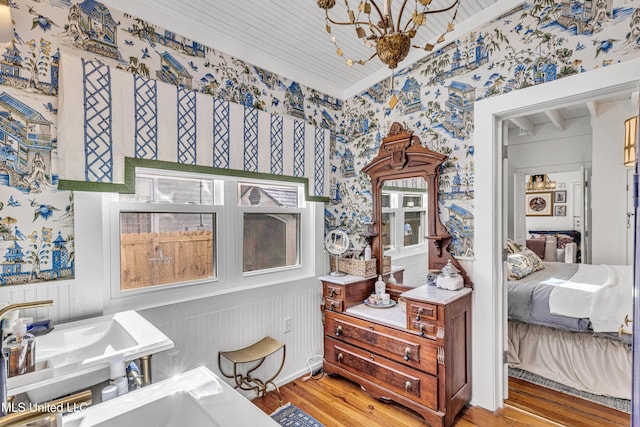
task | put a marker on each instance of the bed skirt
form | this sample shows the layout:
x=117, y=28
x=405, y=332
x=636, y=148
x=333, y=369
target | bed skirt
x=594, y=364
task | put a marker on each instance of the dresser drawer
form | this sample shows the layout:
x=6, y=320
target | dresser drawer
x=333, y=305
x=413, y=384
x=421, y=311
x=402, y=347
x=349, y=294
x=332, y=291
x=425, y=329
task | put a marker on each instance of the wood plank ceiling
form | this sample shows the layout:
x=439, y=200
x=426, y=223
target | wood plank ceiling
x=289, y=38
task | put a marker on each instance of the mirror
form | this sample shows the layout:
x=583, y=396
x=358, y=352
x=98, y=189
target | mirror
x=402, y=156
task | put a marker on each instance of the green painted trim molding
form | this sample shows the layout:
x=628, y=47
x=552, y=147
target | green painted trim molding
x=130, y=165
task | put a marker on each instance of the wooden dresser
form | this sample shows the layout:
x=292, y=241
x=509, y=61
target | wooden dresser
x=418, y=358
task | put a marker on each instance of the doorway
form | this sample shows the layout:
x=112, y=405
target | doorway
x=489, y=321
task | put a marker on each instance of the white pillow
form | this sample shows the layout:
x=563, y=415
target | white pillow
x=550, y=254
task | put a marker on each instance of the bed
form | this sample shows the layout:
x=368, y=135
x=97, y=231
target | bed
x=564, y=320
x=555, y=245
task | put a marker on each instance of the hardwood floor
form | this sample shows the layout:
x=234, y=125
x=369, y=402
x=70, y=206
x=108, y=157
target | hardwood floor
x=336, y=401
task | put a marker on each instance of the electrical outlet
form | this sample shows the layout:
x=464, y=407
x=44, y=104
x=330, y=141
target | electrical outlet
x=174, y=358
x=287, y=324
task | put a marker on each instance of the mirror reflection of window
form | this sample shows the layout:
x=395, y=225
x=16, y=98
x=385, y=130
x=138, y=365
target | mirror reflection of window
x=412, y=201
x=386, y=201
x=404, y=216
x=388, y=238
x=413, y=228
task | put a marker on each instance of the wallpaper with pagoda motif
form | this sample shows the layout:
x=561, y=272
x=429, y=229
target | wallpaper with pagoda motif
x=533, y=43
x=536, y=42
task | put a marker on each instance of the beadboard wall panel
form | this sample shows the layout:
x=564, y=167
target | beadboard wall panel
x=199, y=337
x=62, y=293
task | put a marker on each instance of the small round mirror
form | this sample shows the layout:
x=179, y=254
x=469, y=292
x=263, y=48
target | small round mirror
x=336, y=243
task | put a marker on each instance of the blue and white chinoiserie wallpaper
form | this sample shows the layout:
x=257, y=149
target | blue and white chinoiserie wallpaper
x=536, y=42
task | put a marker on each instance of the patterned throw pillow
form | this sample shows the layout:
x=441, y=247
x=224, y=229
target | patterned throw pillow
x=513, y=247
x=522, y=264
x=563, y=240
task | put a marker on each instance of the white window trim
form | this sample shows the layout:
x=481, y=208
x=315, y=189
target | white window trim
x=228, y=234
x=400, y=251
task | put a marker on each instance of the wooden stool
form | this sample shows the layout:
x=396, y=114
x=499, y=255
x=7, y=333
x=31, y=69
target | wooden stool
x=256, y=352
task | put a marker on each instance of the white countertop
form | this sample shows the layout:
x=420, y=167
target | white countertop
x=393, y=316
x=434, y=294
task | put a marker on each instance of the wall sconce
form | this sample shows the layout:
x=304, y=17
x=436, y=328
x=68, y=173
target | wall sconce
x=630, y=135
x=6, y=23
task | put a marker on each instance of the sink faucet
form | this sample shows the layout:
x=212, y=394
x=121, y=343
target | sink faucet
x=3, y=361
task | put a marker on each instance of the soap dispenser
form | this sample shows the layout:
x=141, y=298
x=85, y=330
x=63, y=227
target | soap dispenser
x=118, y=376
x=367, y=253
x=380, y=286
x=20, y=348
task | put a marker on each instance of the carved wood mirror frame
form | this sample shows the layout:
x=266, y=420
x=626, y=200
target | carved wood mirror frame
x=401, y=156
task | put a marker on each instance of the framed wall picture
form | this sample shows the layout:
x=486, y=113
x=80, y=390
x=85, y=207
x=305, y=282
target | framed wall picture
x=539, y=204
x=560, y=210
x=560, y=196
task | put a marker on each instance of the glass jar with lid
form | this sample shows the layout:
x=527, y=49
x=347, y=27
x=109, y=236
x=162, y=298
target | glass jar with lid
x=449, y=278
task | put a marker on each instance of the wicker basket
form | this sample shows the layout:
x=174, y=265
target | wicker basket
x=360, y=267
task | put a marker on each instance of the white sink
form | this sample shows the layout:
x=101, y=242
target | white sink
x=196, y=398
x=76, y=355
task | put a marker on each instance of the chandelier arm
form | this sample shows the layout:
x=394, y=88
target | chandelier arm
x=383, y=31
x=348, y=23
x=326, y=14
x=378, y=9
x=404, y=3
x=429, y=12
x=406, y=27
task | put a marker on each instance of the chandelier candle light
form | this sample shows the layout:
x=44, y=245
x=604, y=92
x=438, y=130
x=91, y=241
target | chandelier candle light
x=388, y=33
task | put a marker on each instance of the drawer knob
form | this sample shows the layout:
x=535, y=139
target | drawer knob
x=331, y=306
x=339, y=330
x=371, y=327
x=371, y=357
x=422, y=330
x=407, y=352
x=407, y=386
x=420, y=310
x=340, y=357
x=332, y=292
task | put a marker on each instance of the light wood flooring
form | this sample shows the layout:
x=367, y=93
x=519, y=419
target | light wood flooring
x=335, y=402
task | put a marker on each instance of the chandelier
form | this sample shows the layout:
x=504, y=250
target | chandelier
x=391, y=35
x=540, y=182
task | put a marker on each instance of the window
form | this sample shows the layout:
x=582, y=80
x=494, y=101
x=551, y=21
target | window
x=271, y=226
x=209, y=233
x=403, y=220
x=159, y=246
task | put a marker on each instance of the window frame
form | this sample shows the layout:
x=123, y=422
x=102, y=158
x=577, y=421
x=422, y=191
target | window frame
x=397, y=211
x=228, y=226
x=273, y=210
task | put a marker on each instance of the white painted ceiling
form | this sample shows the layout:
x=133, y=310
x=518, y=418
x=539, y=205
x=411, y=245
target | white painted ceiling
x=529, y=122
x=288, y=37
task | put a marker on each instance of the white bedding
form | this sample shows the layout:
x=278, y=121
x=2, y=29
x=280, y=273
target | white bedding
x=595, y=364
x=602, y=293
